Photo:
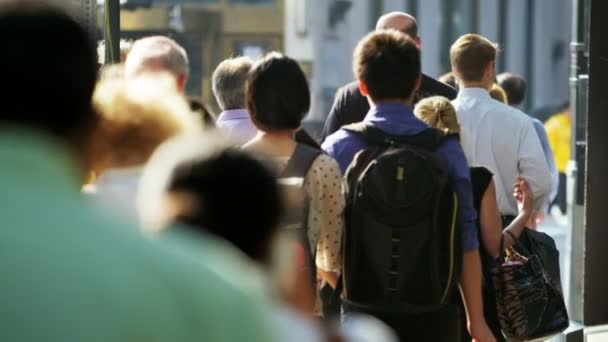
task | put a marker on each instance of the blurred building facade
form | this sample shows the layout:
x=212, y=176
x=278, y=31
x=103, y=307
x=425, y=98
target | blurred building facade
x=534, y=37
x=210, y=30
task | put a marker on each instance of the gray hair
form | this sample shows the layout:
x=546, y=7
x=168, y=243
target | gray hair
x=157, y=53
x=229, y=80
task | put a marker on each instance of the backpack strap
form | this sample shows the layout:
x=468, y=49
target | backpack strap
x=429, y=138
x=300, y=162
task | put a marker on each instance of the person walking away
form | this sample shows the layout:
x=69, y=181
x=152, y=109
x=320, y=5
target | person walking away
x=515, y=88
x=398, y=265
x=72, y=273
x=155, y=54
x=278, y=98
x=438, y=112
x=228, y=85
x=134, y=117
x=494, y=135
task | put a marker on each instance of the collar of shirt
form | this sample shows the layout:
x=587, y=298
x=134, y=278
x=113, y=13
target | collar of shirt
x=395, y=118
x=32, y=160
x=233, y=114
x=473, y=92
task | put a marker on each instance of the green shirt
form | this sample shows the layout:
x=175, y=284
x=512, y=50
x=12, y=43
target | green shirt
x=70, y=274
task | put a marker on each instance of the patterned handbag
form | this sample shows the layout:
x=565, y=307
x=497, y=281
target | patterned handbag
x=529, y=304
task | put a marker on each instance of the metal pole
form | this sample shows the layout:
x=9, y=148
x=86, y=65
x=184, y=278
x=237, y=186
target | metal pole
x=576, y=165
x=375, y=12
x=112, y=31
x=503, y=13
x=412, y=7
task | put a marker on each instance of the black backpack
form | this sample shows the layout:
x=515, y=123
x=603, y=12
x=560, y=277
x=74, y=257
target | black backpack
x=294, y=223
x=402, y=241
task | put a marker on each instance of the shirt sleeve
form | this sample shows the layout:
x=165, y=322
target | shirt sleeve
x=459, y=174
x=544, y=142
x=532, y=164
x=323, y=185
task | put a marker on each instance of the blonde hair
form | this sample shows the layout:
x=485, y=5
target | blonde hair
x=498, y=94
x=438, y=112
x=470, y=55
x=135, y=116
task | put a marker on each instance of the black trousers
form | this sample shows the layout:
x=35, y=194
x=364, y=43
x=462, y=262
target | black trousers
x=561, y=199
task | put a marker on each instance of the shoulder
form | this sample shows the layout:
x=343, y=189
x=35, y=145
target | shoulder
x=481, y=173
x=433, y=87
x=325, y=165
x=338, y=140
x=351, y=88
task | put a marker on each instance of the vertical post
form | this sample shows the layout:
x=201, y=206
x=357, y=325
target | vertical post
x=376, y=8
x=503, y=12
x=475, y=16
x=595, y=300
x=530, y=52
x=112, y=31
x=412, y=7
x=576, y=165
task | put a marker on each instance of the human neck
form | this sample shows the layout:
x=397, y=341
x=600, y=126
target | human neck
x=408, y=102
x=476, y=84
x=277, y=143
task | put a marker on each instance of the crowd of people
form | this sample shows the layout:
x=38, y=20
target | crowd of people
x=132, y=213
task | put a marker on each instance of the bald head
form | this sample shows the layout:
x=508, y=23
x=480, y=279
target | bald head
x=399, y=21
x=157, y=54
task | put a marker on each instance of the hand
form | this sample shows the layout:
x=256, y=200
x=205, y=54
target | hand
x=523, y=195
x=480, y=332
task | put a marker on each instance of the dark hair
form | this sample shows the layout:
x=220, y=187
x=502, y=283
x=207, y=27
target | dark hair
x=449, y=79
x=514, y=86
x=388, y=62
x=278, y=96
x=49, y=69
x=235, y=196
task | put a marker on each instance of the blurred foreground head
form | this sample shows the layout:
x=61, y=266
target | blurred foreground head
x=203, y=183
x=48, y=73
x=135, y=116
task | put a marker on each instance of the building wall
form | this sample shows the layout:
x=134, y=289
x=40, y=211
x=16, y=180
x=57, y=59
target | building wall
x=539, y=53
x=211, y=32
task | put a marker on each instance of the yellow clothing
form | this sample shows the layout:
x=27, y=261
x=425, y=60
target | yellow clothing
x=559, y=131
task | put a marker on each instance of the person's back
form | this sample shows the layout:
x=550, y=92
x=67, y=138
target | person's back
x=484, y=140
x=493, y=134
x=72, y=274
x=76, y=275
x=385, y=193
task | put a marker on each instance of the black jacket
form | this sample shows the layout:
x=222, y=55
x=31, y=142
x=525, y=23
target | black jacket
x=350, y=106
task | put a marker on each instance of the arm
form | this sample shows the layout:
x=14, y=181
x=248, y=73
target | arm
x=533, y=166
x=334, y=119
x=544, y=141
x=470, y=287
x=491, y=224
x=470, y=280
x=325, y=217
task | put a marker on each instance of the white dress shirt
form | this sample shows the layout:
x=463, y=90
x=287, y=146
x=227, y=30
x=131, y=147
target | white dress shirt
x=502, y=139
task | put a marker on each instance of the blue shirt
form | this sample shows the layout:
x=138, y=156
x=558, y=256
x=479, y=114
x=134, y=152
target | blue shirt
x=398, y=119
x=544, y=142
